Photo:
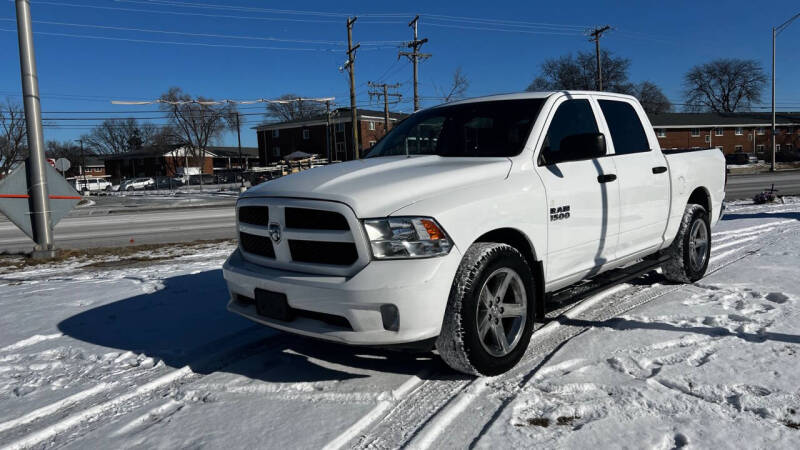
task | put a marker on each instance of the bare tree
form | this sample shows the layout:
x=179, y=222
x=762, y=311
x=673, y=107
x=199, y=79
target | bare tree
x=118, y=136
x=294, y=108
x=724, y=85
x=580, y=73
x=651, y=97
x=457, y=88
x=13, y=136
x=197, y=122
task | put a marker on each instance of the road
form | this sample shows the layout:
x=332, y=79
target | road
x=217, y=222
x=114, y=230
x=746, y=186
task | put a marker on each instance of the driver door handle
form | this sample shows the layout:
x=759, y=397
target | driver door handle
x=659, y=169
x=606, y=178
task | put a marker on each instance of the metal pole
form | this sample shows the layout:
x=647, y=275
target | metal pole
x=415, y=62
x=37, y=179
x=599, y=66
x=83, y=165
x=239, y=142
x=385, y=108
x=351, y=65
x=772, y=167
x=328, y=129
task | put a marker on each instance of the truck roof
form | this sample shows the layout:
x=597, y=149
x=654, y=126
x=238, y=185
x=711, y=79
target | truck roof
x=526, y=95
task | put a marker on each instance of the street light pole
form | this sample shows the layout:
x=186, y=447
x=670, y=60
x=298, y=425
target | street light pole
x=775, y=32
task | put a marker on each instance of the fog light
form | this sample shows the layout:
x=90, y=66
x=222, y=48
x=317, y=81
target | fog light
x=391, y=317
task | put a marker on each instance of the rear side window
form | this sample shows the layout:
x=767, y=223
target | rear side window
x=572, y=117
x=626, y=129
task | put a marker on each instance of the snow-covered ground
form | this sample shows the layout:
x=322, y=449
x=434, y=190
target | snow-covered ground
x=136, y=352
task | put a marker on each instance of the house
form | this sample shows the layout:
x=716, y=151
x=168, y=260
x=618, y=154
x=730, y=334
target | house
x=95, y=166
x=745, y=132
x=315, y=135
x=153, y=162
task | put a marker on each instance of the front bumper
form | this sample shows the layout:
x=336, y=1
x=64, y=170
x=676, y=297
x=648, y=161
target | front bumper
x=418, y=288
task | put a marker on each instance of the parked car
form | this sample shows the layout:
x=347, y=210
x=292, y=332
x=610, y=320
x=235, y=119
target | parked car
x=137, y=184
x=167, y=183
x=458, y=222
x=207, y=179
x=91, y=184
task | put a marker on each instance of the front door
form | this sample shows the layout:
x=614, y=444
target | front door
x=582, y=195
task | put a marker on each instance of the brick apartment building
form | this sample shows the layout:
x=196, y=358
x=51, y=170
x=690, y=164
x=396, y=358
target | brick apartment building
x=275, y=140
x=733, y=132
x=148, y=162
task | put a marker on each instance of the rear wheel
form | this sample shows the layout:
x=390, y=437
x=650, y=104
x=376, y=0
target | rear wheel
x=489, y=317
x=690, y=252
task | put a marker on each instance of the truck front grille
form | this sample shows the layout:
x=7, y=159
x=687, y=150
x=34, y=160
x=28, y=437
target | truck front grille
x=257, y=245
x=311, y=236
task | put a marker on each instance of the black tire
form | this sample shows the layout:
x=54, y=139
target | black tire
x=459, y=343
x=129, y=188
x=682, y=267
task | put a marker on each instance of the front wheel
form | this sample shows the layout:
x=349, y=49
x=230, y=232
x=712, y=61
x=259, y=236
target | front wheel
x=489, y=318
x=690, y=252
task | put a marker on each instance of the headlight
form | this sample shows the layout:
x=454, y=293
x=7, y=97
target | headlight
x=406, y=237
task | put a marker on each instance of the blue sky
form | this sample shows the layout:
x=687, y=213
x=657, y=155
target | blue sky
x=92, y=51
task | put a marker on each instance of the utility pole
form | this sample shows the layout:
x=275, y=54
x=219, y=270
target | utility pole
x=328, y=129
x=385, y=94
x=351, y=58
x=415, y=56
x=37, y=180
x=595, y=36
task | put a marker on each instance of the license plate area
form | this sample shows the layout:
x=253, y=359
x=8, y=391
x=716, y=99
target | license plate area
x=273, y=305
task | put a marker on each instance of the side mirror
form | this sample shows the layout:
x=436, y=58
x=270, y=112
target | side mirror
x=583, y=146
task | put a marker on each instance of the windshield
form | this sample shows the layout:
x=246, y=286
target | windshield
x=491, y=128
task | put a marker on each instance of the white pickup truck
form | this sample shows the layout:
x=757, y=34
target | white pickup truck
x=454, y=227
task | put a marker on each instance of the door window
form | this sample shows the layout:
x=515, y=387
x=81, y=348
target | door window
x=626, y=129
x=572, y=117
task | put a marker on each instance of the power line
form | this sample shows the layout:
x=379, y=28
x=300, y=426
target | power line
x=199, y=44
x=212, y=35
x=505, y=30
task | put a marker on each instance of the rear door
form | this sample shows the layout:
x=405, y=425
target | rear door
x=642, y=176
x=581, y=194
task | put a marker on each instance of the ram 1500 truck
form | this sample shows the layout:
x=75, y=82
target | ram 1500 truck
x=457, y=223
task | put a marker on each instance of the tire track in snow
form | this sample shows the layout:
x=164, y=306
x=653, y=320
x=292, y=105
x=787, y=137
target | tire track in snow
x=427, y=434
x=96, y=415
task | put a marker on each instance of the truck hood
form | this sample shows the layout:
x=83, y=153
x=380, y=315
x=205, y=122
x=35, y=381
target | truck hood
x=376, y=187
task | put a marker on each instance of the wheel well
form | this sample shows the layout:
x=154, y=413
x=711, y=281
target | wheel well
x=700, y=197
x=519, y=241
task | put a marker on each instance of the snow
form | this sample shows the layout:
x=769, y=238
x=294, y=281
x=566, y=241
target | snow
x=138, y=351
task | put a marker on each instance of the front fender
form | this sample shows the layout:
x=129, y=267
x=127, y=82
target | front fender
x=517, y=202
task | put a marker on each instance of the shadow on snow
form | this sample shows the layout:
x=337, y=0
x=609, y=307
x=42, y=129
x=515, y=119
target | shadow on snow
x=187, y=321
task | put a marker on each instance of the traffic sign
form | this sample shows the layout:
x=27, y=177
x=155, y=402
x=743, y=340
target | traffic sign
x=62, y=164
x=15, y=196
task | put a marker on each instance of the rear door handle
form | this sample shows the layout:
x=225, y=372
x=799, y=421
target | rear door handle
x=659, y=169
x=606, y=178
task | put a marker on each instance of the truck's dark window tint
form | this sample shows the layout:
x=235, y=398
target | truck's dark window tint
x=572, y=117
x=626, y=129
x=491, y=128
